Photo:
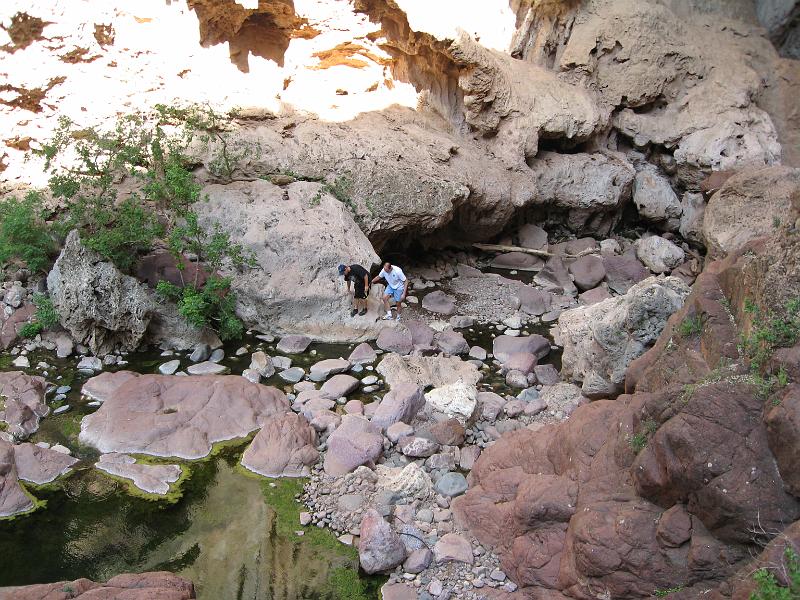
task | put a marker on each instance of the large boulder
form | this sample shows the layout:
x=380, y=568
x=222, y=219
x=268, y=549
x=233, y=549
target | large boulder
x=752, y=203
x=105, y=309
x=659, y=254
x=601, y=340
x=285, y=447
x=167, y=415
x=10, y=324
x=401, y=403
x=427, y=371
x=100, y=306
x=380, y=547
x=22, y=403
x=655, y=199
x=13, y=499
x=505, y=346
x=150, y=478
x=353, y=443
x=158, y=585
x=41, y=465
x=589, y=188
x=298, y=235
x=458, y=400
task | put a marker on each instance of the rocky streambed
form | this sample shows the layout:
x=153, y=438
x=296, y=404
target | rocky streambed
x=293, y=466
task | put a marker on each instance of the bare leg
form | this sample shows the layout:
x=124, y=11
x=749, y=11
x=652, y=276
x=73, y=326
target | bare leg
x=386, y=304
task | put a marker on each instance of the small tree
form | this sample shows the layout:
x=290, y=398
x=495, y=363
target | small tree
x=768, y=587
x=23, y=233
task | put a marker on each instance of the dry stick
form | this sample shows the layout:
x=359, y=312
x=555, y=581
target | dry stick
x=540, y=253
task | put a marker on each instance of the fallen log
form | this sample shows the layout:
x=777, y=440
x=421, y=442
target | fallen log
x=540, y=253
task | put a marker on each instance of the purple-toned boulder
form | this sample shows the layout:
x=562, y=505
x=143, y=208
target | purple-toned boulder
x=401, y=403
x=285, y=447
x=354, y=443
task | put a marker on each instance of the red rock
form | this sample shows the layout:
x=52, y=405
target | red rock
x=10, y=326
x=24, y=402
x=284, y=447
x=140, y=586
x=588, y=272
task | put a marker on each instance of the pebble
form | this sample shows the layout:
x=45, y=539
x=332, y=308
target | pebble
x=61, y=409
x=169, y=368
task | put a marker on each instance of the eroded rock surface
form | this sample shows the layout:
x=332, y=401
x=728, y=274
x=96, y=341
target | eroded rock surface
x=159, y=585
x=285, y=447
x=153, y=479
x=22, y=403
x=167, y=415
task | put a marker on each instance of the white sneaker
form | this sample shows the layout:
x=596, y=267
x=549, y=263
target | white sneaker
x=387, y=316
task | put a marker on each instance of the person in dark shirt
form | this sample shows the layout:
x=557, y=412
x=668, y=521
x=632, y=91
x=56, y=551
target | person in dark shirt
x=360, y=278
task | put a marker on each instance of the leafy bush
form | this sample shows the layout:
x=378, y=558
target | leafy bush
x=211, y=304
x=117, y=232
x=44, y=318
x=23, y=233
x=768, y=587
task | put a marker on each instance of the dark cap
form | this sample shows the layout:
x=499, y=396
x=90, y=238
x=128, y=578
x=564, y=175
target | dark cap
x=341, y=269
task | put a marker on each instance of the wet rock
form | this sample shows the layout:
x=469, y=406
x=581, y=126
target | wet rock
x=153, y=479
x=13, y=499
x=587, y=272
x=379, y=547
x=601, y=340
x=451, y=342
x=292, y=374
x=217, y=355
x=201, y=353
x=453, y=548
x=293, y=344
x=281, y=363
x=178, y=416
x=457, y=400
x=659, y=254
x=395, y=339
x=363, y=354
x=354, y=443
x=339, y=386
x=259, y=361
x=284, y=447
x=504, y=346
x=207, y=368
x=23, y=399
x=169, y=367
x=401, y=403
x=325, y=368
x=41, y=465
x=159, y=585
x=439, y=302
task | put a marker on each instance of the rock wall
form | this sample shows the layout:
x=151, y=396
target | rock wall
x=498, y=98
x=655, y=490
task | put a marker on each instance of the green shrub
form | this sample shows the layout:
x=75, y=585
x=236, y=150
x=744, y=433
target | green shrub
x=690, y=326
x=770, y=331
x=44, y=318
x=767, y=584
x=24, y=235
x=117, y=232
x=638, y=441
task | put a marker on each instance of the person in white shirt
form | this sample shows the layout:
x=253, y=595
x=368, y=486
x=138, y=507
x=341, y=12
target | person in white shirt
x=396, y=288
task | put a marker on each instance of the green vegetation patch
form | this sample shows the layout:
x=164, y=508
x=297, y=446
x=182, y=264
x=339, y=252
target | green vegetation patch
x=767, y=584
x=638, y=441
x=24, y=235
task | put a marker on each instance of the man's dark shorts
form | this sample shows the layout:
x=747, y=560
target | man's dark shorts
x=360, y=292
